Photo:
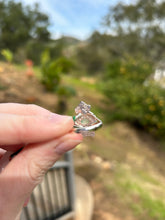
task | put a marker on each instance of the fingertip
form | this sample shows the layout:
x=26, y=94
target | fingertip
x=58, y=119
x=77, y=136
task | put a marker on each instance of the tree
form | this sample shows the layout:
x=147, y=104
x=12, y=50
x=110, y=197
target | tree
x=19, y=23
x=139, y=39
x=93, y=55
x=139, y=26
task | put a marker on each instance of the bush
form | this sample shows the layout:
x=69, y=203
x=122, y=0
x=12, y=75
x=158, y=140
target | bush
x=52, y=71
x=51, y=77
x=133, y=69
x=132, y=100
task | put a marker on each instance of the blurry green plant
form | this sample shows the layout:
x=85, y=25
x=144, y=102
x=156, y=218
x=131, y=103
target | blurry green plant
x=132, y=100
x=7, y=54
x=52, y=72
x=51, y=76
x=45, y=57
x=133, y=69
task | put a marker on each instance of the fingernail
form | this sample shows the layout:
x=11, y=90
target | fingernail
x=59, y=118
x=66, y=146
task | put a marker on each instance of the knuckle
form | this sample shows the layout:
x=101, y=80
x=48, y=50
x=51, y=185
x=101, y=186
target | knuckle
x=35, y=172
x=35, y=109
x=37, y=167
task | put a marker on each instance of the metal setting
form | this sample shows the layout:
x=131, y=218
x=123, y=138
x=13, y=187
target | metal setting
x=85, y=121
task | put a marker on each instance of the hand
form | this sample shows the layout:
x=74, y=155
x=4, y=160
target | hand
x=44, y=137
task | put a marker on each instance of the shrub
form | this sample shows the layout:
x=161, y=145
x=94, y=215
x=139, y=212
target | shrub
x=51, y=76
x=133, y=69
x=132, y=100
x=53, y=70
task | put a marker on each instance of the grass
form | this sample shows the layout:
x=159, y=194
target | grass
x=147, y=206
x=77, y=82
x=145, y=202
x=148, y=178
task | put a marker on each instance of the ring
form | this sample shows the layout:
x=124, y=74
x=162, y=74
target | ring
x=86, y=121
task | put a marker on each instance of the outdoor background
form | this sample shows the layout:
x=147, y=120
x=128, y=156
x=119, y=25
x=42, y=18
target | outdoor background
x=111, y=55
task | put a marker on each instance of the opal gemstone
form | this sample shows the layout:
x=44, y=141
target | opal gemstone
x=85, y=121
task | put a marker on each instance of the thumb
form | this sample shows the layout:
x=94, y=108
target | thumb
x=27, y=169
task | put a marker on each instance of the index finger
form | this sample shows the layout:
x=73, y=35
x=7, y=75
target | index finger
x=18, y=129
x=23, y=109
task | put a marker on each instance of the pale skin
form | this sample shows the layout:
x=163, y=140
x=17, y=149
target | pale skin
x=45, y=137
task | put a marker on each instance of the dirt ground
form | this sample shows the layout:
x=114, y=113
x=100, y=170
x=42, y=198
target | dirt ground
x=126, y=145
x=18, y=86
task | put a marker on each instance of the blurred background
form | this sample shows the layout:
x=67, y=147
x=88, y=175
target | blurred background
x=111, y=55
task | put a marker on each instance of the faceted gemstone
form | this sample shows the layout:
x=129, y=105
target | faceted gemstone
x=82, y=108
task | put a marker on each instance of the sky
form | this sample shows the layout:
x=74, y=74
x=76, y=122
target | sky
x=77, y=18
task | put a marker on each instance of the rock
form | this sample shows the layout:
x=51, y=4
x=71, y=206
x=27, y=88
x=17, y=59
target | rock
x=106, y=165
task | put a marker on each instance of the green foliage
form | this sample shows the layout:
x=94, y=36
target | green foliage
x=52, y=71
x=45, y=57
x=66, y=91
x=94, y=54
x=64, y=64
x=51, y=76
x=137, y=27
x=131, y=69
x=134, y=50
x=33, y=50
x=19, y=24
x=132, y=100
x=8, y=55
